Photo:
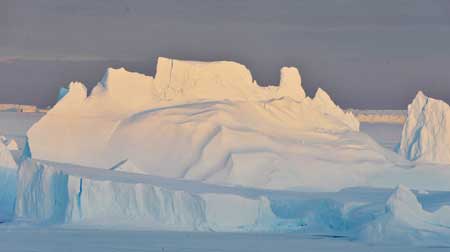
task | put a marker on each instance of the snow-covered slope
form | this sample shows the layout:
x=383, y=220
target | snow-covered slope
x=200, y=120
x=426, y=133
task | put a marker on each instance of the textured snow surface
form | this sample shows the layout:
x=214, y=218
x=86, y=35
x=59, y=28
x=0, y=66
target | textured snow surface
x=426, y=133
x=198, y=120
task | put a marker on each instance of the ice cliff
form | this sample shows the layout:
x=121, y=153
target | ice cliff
x=63, y=194
x=426, y=132
x=55, y=193
x=8, y=168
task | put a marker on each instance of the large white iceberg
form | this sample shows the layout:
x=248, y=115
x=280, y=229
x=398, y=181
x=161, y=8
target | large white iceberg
x=426, y=132
x=205, y=121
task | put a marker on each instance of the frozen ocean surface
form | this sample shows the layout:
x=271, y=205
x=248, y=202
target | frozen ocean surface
x=24, y=239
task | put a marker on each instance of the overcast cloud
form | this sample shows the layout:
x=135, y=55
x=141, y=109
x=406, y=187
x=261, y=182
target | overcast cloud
x=366, y=54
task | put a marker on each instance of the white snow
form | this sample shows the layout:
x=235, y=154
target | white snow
x=426, y=133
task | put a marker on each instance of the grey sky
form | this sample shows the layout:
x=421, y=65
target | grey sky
x=366, y=54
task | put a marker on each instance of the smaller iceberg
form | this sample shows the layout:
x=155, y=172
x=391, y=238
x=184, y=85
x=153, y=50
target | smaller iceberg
x=426, y=132
x=405, y=220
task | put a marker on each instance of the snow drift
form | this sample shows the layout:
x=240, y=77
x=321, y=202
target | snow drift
x=426, y=132
x=198, y=120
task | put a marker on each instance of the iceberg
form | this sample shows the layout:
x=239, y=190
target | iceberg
x=404, y=220
x=206, y=121
x=426, y=132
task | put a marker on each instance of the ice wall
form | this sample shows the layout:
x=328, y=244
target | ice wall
x=48, y=195
x=426, y=132
x=8, y=168
x=51, y=193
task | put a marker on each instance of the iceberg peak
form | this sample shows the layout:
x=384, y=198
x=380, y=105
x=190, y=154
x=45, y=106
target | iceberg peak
x=402, y=197
x=322, y=95
x=291, y=83
x=426, y=132
x=77, y=92
x=420, y=94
